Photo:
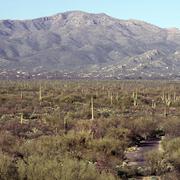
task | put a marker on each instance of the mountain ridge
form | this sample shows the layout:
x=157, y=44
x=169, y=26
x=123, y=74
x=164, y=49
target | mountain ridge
x=77, y=42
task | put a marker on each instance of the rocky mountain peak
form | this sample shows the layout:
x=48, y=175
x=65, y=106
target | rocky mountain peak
x=88, y=44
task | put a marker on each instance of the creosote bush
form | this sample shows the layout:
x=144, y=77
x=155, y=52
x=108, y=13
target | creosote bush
x=156, y=163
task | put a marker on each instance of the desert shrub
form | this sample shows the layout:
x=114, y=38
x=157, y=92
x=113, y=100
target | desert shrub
x=172, y=127
x=25, y=130
x=156, y=162
x=84, y=112
x=125, y=102
x=6, y=168
x=7, y=141
x=72, y=143
x=170, y=145
x=118, y=133
x=39, y=167
x=141, y=127
x=76, y=141
x=171, y=176
x=175, y=159
x=127, y=172
x=108, y=146
x=176, y=103
x=172, y=149
x=83, y=125
x=54, y=119
x=101, y=126
x=73, y=169
x=72, y=98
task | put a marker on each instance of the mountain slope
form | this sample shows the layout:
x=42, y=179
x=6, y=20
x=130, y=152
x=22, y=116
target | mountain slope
x=94, y=45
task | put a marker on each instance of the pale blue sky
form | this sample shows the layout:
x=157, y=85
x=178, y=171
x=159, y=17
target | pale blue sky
x=165, y=13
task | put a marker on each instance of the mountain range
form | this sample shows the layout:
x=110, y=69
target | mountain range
x=85, y=45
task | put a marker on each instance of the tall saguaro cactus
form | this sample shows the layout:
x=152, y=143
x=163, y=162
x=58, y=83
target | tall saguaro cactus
x=92, y=108
x=21, y=95
x=153, y=108
x=163, y=96
x=168, y=102
x=135, y=97
x=111, y=98
x=21, y=119
x=153, y=104
x=40, y=93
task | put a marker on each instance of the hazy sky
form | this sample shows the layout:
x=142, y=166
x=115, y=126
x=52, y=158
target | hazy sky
x=165, y=13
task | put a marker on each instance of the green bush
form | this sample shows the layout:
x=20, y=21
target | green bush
x=108, y=146
x=172, y=127
x=172, y=149
x=6, y=167
x=72, y=98
x=7, y=141
x=156, y=163
x=41, y=168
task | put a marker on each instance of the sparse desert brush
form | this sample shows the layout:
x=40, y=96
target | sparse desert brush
x=171, y=176
x=108, y=146
x=172, y=144
x=89, y=122
x=172, y=126
x=172, y=150
x=157, y=163
x=119, y=133
x=6, y=168
x=7, y=142
x=65, y=168
x=141, y=127
x=83, y=125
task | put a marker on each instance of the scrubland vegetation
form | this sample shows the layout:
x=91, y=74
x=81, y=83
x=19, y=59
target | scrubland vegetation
x=82, y=130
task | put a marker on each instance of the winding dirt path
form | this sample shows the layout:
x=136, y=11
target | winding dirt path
x=137, y=157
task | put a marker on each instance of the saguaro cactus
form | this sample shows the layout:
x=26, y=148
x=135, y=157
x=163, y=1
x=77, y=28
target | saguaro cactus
x=168, y=102
x=21, y=119
x=153, y=104
x=163, y=96
x=153, y=108
x=92, y=108
x=111, y=98
x=135, y=98
x=40, y=93
x=21, y=95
